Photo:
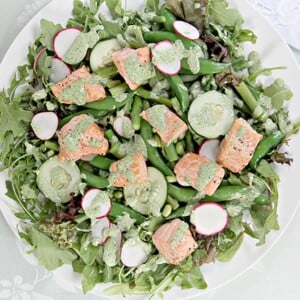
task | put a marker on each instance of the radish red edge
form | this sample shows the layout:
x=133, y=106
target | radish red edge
x=180, y=28
x=36, y=59
x=87, y=199
x=167, y=68
x=219, y=209
x=54, y=46
x=105, y=239
x=209, y=148
x=60, y=70
x=44, y=125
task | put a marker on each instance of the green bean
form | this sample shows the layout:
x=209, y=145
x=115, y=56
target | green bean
x=118, y=89
x=110, y=135
x=227, y=193
x=189, y=142
x=171, y=152
x=265, y=146
x=118, y=209
x=137, y=108
x=52, y=146
x=180, y=193
x=246, y=95
x=101, y=162
x=153, y=97
x=114, y=150
x=94, y=180
x=207, y=67
x=109, y=103
x=180, y=91
x=169, y=18
x=153, y=155
x=176, y=214
x=173, y=202
x=95, y=113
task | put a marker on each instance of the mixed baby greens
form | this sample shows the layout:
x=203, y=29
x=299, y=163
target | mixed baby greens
x=61, y=232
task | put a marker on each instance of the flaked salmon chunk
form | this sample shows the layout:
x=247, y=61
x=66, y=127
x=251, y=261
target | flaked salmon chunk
x=238, y=146
x=80, y=137
x=199, y=172
x=174, y=241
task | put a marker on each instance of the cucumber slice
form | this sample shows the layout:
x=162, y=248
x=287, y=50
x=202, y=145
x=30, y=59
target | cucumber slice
x=147, y=197
x=101, y=53
x=57, y=180
x=211, y=114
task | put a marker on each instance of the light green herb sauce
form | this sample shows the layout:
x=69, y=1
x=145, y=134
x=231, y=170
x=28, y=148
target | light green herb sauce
x=157, y=116
x=76, y=92
x=60, y=179
x=124, y=170
x=134, y=146
x=183, y=227
x=94, y=210
x=241, y=132
x=72, y=138
x=206, y=174
x=136, y=72
x=82, y=43
x=95, y=143
x=111, y=249
x=211, y=114
x=124, y=222
x=127, y=129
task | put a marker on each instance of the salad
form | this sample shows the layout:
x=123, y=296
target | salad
x=142, y=146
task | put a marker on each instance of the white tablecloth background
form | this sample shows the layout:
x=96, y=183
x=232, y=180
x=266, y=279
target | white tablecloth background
x=275, y=277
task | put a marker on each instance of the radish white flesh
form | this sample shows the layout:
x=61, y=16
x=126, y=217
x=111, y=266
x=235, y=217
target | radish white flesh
x=44, y=125
x=209, y=218
x=97, y=230
x=170, y=68
x=123, y=126
x=37, y=58
x=133, y=253
x=59, y=70
x=64, y=39
x=210, y=148
x=186, y=30
x=97, y=201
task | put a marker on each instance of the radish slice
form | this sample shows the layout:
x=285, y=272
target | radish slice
x=209, y=149
x=96, y=202
x=171, y=68
x=59, y=70
x=44, y=125
x=186, y=30
x=64, y=39
x=97, y=230
x=134, y=253
x=123, y=127
x=37, y=58
x=209, y=218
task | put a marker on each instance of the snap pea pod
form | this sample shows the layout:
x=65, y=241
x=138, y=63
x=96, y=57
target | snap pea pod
x=153, y=155
x=137, y=108
x=263, y=200
x=101, y=162
x=169, y=18
x=94, y=113
x=94, y=180
x=180, y=193
x=153, y=97
x=118, y=209
x=171, y=152
x=109, y=103
x=265, y=146
x=180, y=90
x=176, y=214
x=206, y=66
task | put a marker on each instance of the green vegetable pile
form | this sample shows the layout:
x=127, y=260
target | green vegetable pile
x=60, y=232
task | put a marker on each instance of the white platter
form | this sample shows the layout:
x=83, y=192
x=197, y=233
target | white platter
x=274, y=52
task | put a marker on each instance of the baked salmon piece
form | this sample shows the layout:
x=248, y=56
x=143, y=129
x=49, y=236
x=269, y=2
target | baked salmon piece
x=81, y=137
x=201, y=173
x=174, y=241
x=120, y=58
x=92, y=91
x=166, y=123
x=130, y=169
x=237, y=148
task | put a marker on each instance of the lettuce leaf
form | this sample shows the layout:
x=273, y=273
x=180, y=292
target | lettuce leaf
x=48, y=31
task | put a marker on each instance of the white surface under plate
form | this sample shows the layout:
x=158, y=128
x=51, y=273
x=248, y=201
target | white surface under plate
x=274, y=53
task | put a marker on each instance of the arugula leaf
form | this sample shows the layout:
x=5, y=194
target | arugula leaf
x=91, y=277
x=48, y=253
x=229, y=253
x=152, y=5
x=115, y=7
x=48, y=31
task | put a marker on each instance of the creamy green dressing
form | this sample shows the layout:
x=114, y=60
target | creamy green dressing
x=111, y=249
x=156, y=116
x=206, y=174
x=72, y=138
x=77, y=92
x=124, y=222
x=79, y=48
x=137, y=144
x=94, y=210
x=59, y=178
x=241, y=132
x=137, y=72
x=127, y=129
x=123, y=170
x=183, y=227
